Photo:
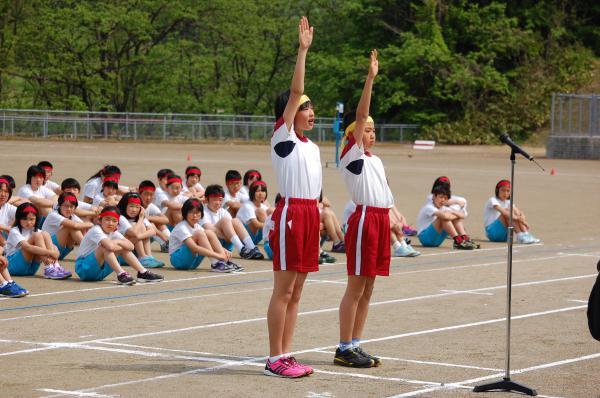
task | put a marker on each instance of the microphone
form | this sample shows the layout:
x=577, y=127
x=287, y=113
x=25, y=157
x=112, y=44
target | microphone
x=508, y=141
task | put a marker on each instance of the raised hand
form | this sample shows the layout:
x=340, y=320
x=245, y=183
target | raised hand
x=305, y=33
x=374, y=65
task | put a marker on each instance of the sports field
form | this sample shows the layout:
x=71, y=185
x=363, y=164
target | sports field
x=437, y=320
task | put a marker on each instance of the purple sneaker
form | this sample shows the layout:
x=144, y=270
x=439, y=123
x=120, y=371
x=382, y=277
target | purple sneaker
x=55, y=271
x=408, y=231
x=339, y=247
x=221, y=266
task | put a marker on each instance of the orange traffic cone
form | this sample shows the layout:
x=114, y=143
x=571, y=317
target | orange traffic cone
x=553, y=172
x=189, y=157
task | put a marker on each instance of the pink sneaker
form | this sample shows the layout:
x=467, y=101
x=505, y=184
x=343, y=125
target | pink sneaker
x=307, y=369
x=283, y=368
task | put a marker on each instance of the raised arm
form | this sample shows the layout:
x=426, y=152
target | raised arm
x=305, y=36
x=362, y=111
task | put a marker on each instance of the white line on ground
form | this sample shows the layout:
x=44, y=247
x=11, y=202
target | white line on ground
x=579, y=301
x=466, y=292
x=451, y=365
x=77, y=393
x=47, y=314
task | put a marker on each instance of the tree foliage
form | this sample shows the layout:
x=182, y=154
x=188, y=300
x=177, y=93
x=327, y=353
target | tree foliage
x=464, y=70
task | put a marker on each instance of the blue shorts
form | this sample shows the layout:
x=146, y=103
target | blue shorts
x=255, y=238
x=496, y=231
x=430, y=237
x=62, y=250
x=18, y=266
x=183, y=258
x=268, y=250
x=226, y=245
x=88, y=268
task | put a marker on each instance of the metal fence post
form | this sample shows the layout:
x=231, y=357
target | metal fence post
x=164, y=128
x=552, y=114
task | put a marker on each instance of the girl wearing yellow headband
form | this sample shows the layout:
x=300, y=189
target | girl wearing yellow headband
x=294, y=237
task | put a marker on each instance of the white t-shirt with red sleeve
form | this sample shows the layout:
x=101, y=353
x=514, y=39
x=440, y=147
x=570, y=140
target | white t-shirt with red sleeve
x=364, y=176
x=297, y=163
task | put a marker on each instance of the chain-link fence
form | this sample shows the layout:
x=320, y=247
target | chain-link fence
x=575, y=115
x=70, y=125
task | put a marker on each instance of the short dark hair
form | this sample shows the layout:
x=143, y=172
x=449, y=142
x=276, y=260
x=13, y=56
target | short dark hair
x=61, y=200
x=191, y=204
x=214, y=189
x=114, y=209
x=442, y=189
x=280, y=103
x=146, y=183
x=255, y=186
x=8, y=187
x=162, y=173
x=110, y=184
x=122, y=205
x=172, y=176
x=10, y=180
x=33, y=171
x=70, y=183
x=21, y=214
x=187, y=169
x=233, y=174
x=106, y=171
x=44, y=163
x=441, y=180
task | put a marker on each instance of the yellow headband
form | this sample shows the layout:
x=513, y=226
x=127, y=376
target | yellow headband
x=303, y=99
x=350, y=129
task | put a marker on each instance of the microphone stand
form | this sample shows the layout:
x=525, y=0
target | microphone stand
x=506, y=384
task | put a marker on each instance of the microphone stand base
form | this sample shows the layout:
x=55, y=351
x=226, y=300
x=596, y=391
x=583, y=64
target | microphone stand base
x=505, y=385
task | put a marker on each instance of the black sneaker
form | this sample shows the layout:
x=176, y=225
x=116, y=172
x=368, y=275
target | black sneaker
x=125, y=279
x=235, y=267
x=246, y=253
x=149, y=276
x=376, y=360
x=256, y=254
x=352, y=359
x=326, y=258
x=463, y=245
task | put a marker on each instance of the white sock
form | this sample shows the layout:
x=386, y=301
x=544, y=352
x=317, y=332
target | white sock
x=396, y=245
x=3, y=284
x=237, y=242
x=275, y=358
x=249, y=243
x=403, y=243
x=521, y=234
x=166, y=232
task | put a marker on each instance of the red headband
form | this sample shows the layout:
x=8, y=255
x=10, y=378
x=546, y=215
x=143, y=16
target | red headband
x=231, y=180
x=193, y=170
x=39, y=175
x=111, y=178
x=443, y=179
x=195, y=202
x=70, y=198
x=503, y=183
x=30, y=209
x=172, y=180
x=215, y=195
x=147, y=188
x=47, y=167
x=3, y=181
x=134, y=199
x=254, y=174
x=259, y=182
x=109, y=213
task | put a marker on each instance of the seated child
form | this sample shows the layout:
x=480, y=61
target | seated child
x=35, y=192
x=48, y=169
x=8, y=287
x=135, y=227
x=191, y=185
x=190, y=243
x=7, y=211
x=229, y=229
x=63, y=226
x=27, y=247
x=97, y=257
x=253, y=212
x=233, y=197
x=108, y=195
x=436, y=220
x=496, y=216
x=173, y=199
x=250, y=177
x=159, y=221
x=85, y=211
x=93, y=185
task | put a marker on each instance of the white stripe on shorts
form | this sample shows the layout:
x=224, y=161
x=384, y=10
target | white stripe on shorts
x=359, y=241
x=282, y=222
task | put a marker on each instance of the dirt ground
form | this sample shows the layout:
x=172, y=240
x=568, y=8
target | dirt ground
x=438, y=320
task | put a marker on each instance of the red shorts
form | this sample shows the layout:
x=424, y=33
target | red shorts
x=368, y=242
x=295, y=240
